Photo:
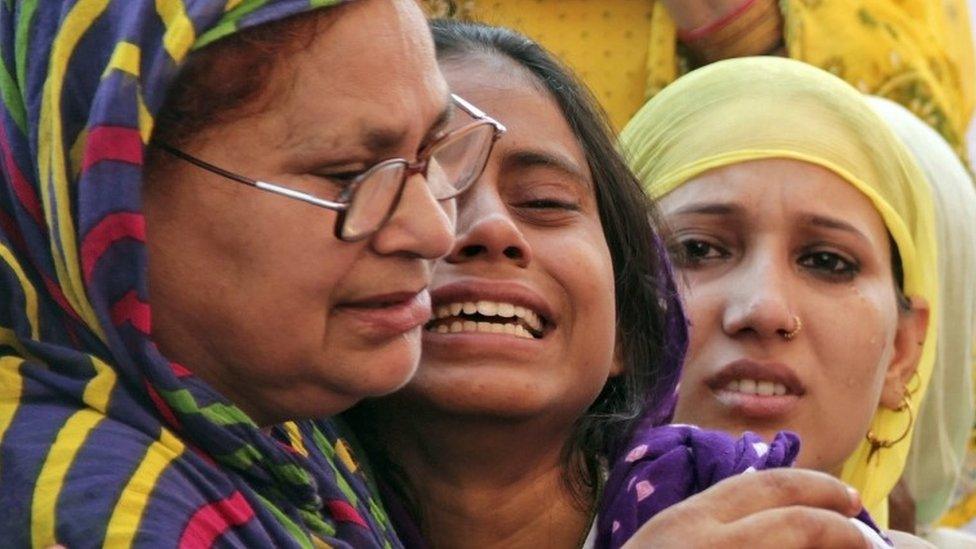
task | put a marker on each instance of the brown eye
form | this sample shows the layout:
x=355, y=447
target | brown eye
x=830, y=264
x=692, y=252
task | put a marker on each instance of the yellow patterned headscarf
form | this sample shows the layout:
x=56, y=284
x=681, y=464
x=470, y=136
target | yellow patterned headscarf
x=764, y=107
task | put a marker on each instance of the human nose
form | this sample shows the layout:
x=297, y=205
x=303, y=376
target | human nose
x=420, y=226
x=759, y=300
x=487, y=232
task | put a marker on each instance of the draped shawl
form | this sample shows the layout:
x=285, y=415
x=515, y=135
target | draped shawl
x=103, y=441
x=945, y=421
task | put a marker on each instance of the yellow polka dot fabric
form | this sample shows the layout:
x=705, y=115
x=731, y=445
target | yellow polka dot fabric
x=915, y=52
x=604, y=42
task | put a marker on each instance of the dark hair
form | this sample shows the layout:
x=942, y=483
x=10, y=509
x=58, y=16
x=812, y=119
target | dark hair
x=233, y=76
x=651, y=331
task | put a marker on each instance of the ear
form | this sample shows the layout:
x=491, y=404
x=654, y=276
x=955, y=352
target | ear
x=909, y=337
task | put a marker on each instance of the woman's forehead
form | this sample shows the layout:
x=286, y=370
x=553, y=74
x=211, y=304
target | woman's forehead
x=768, y=187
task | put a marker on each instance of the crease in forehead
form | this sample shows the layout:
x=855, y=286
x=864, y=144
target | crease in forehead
x=372, y=134
x=738, y=211
x=727, y=182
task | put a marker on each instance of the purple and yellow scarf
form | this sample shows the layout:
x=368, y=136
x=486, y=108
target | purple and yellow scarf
x=104, y=442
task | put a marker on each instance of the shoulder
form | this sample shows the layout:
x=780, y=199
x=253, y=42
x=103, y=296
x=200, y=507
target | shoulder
x=75, y=477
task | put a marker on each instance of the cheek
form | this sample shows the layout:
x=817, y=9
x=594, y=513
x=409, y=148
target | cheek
x=855, y=339
x=702, y=302
x=243, y=263
x=589, y=281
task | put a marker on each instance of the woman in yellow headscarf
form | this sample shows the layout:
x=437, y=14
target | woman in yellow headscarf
x=917, y=53
x=805, y=236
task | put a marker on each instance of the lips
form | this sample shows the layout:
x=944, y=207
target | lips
x=488, y=307
x=757, y=390
x=389, y=314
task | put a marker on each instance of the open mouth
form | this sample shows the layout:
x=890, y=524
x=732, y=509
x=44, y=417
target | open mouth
x=483, y=316
x=756, y=387
x=752, y=379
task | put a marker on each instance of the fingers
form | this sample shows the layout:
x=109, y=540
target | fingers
x=743, y=495
x=795, y=528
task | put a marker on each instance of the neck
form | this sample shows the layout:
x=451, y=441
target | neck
x=480, y=482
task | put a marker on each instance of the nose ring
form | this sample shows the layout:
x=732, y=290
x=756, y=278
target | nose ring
x=797, y=326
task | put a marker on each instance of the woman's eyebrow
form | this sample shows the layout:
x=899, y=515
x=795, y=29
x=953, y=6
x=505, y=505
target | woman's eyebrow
x=525, y=159
x=835, y=224
x=442, y=120
x=710, y=208
x=384, y=139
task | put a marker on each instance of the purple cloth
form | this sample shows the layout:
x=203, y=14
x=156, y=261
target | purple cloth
x=667, y=464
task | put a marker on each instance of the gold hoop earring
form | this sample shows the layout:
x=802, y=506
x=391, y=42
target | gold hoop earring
x=797, y=326
x=878, y=444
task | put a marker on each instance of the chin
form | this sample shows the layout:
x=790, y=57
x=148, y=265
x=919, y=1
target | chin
x=486, y=393
x=382, y=373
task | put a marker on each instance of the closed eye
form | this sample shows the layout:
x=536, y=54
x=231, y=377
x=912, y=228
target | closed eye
x=549, y=203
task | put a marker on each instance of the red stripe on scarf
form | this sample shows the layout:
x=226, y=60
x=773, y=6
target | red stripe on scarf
x=111, y=229
x=180, y=370
x=164, y=410
x=343, y=512
x=112, y=143
x=10, y=229
x=211, y=521
x=22, y=188
x=132, y=310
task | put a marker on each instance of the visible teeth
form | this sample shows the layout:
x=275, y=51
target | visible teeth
x=488, y=308
x=747, y=386
x=459, y=326
x=753, y=387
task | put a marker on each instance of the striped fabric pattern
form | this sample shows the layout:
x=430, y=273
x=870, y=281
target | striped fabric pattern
x=104, y=442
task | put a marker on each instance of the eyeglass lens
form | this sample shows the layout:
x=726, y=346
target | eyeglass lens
x=453, y=166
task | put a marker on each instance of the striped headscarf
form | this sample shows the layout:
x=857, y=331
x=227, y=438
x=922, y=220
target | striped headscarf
x=102, y=440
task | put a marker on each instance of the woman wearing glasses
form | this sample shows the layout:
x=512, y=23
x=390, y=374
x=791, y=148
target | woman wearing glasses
x=166, y=332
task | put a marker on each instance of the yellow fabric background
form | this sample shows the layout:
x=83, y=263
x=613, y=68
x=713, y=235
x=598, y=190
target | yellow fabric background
x=915, y=52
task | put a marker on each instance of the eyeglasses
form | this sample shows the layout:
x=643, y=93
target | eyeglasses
x=449, y=164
